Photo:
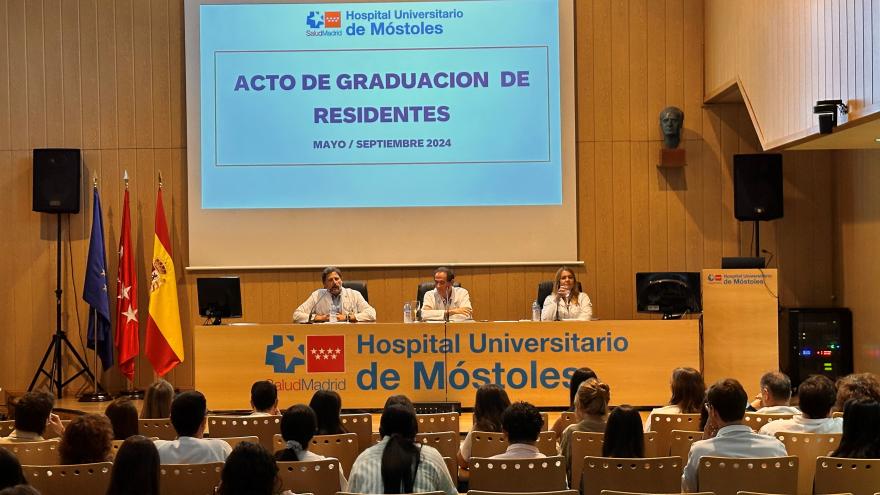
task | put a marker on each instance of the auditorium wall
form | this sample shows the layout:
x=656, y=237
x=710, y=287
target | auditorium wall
x=107, y=76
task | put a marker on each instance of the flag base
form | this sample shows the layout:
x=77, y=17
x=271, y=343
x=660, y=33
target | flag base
x=96, y=397
x=135, y=394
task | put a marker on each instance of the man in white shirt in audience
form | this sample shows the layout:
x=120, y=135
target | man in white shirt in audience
x=727, y=406
x=775, y=395
x=334, y=300
x=446, y=302
x=521, y=423
x=188, y=416
x=33, y=416
x=264, y=398
x=816, y=396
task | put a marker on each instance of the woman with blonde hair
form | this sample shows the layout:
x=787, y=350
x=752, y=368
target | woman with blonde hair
x=157, y=400
x=566, y=302
x=591, y=409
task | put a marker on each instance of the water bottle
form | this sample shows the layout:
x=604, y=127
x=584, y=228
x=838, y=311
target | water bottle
x=407, y=313
x=333, y=315
x=536, y=311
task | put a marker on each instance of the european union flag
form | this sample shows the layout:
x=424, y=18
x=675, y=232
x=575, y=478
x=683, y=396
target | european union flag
x=95, y=289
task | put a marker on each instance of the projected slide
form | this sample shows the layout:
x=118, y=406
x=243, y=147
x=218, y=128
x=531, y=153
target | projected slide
x=380, y=104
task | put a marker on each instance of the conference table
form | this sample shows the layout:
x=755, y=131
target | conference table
x=435, y=362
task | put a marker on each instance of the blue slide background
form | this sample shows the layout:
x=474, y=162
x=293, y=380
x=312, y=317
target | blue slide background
x=257, y=146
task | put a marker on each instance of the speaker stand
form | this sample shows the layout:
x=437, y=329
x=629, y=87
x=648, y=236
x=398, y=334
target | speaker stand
x=59, y=342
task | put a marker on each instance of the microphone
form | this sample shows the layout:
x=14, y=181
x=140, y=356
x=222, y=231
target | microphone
x=312, y=312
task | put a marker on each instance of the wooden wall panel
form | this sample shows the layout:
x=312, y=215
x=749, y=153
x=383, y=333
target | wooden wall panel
x=788, y=54
x=107, y=76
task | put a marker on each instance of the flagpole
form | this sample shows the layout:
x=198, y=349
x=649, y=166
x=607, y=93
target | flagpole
x=130, y=391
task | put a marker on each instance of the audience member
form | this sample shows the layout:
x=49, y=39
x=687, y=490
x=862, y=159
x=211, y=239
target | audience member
x=688, y=393
x=10, y=470
x=591, y=409
x=816, y=396
x=298, y=426
x=87, y=439
x=135, y=468
x=264, y=398
x=579, y=376
x=188, y=418
x=327, y=405
x=521, y=423
x=157, y=400
x=398, y=464
x=623, y=434
x=775, y=396
x=861, y=430
x=489, y=404
x=857, y=386
x=249, y=470
x=399, y=399
x=20, y=490
x=727, y=402
x=123, y=416
x=33, y=415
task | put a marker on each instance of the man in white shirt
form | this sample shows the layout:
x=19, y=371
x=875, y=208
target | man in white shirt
x=816, y=396
x=521, y=423
x=264, y=398
x=188, y=416
x=727, y=406
x=33, y=416
x=446, y=302
x=775, y=395
x=334, y=299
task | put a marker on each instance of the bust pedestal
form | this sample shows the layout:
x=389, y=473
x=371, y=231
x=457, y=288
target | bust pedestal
x=672, y=158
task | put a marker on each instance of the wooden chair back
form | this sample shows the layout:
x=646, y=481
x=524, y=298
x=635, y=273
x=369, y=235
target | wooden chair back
x=557, y=492
x=343, y=447
x=452, y=467
x=487, y=443
x=50, y=434
x=446, y=442
x=615, y=492
x=234, y=441
x=158, y=428
x=807, y=447
x=645, y=475
x=361, y=425
x=6, y=427
x=64, y=480
x=317, y=477
x=681, y=442
x=435, y=423
x=545, y=417
x=518, y=475
x=589, y=444
x=191, y=479
x=838, y=475
x=726, y=475
x=756, y=420
x=262, y=427
x=663, y=424
x=43, y=453
x=567, y=419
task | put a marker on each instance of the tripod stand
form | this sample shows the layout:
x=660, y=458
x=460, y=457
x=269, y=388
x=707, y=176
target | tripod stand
x=59, y=342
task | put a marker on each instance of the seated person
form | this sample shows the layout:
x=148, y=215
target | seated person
x=250, y=469
x=521, y=424
x=10, y=470
x=727, y=402
x=566, y=302
x=398, y=463
x=135, y=468
x=33, y=415
x=123, y=415
x=816, y=396
x=489, y=405
x=347, y=304
x=188, y=416
x=264, y=399
x=579, y=376
x=87, y=439
x=857, y=386
x=327, y=405
x=157, y=400
x=688, y=395
x=861, y=430
x=591, y=409
x=298, y=426
x=775, y=395
x=446, y=302
x=623, y=434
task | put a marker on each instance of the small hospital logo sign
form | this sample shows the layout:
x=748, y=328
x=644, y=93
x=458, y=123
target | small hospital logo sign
x=325, y=353
x=332, y=19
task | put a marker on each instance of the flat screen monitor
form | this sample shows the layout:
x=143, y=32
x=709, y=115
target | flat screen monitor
x=672, y=294
x=219, y=297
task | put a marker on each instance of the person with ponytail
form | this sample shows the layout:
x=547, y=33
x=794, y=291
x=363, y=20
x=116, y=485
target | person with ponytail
x=398, y=464
x=591, y=409
x=298, y=425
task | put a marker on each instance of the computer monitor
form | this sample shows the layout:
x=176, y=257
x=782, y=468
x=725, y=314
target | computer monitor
x=672, y=294
x=219, y=297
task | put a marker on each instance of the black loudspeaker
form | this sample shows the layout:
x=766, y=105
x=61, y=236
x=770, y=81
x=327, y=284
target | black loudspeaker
x=815, y=341
x=757, y=187
x=57, y=179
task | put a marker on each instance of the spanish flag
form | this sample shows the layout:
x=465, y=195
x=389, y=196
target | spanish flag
x=164, y=346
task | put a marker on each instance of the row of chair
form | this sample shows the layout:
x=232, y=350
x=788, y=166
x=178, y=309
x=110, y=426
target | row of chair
x=719, y=475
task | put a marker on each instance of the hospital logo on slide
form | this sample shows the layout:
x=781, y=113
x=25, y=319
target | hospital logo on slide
x=284, y=354
x=328, y=19
x=325, y=353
